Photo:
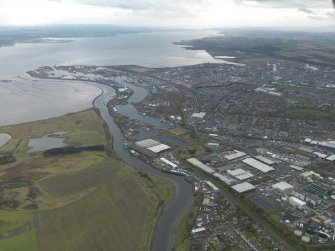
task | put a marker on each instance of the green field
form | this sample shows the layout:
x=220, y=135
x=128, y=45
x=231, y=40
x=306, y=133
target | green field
x=299, y=100
x=119, y=215
x=84, y=128
x=84, y=201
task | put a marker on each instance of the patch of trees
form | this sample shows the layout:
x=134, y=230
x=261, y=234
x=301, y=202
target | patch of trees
x=5, y=159
x=72, y=150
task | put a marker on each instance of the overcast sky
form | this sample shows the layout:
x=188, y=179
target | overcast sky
x=170, y=13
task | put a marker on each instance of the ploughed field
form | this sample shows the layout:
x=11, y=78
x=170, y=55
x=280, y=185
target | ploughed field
x=82, y=200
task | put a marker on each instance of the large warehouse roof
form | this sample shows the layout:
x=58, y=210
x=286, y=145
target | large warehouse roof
x=159, y=148
x=265, y=160
x=258, y=165
x=331, y=157
x=201, y=165
x=147, y=143
x=166, y=161
x=235, y=155
x=236, y=172
x=240, y=174
x=198, y=115
x=244, y=176
x=282, y=186
x=243, y=187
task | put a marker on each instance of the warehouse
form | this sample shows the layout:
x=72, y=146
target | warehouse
x=235, y=155
x=283, y=186
x=201, y=165
x=240, y=174
x=168, y=162
x=150, y=147
x=265, y=160
x=243, y=187
x=258, y=165
x=297, y=203
x=198, y=115
x=331, y=157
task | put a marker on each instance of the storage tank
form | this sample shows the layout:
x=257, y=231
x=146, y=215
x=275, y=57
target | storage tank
x=305, y=239
x=298, y=233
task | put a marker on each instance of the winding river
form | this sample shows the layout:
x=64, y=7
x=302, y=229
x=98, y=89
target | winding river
x=164, y=236
x=151, y=49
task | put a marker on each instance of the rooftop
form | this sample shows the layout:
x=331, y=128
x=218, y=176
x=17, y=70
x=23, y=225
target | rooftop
x=243, y=187
x=282, y=186
x=258, y=165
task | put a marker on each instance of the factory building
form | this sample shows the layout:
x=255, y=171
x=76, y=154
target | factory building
x=258, y=165
x=243, y=187
x=283, y=187
x=240, y=174
x=297, y=203
x=235, y=155
x=319, y=189
x=150, y=147
x=201, y=165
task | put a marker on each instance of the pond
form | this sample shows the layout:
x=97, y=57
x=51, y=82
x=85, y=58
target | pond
x=46, y=142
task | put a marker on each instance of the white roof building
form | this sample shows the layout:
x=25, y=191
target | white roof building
x=243, y=187
x=244, y=176
x=258, y=165
x=320, y=155
x=236, y=172
x=147, y=143
x=198, y=115
x=240, y=174
x=152, y=145
x=198, y=230
x=210, y=184
x=159, y=148
x=282, y=186
x=166, y=161
x=201, y=165
x=265, y=160
x=298, y=168
x=235, y=155
x=331, y=157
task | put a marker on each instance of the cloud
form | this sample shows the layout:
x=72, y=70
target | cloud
x=169, y=13
x=289, y=3
x=305, y=10
x=133, y=4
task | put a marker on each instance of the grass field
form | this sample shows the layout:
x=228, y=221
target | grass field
x=119, y=215
x=86, y=201
x=299, y=100
x=85, y=128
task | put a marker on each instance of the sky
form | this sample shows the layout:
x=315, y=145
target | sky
x=170, y=13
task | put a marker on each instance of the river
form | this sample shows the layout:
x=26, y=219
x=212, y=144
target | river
x=183, y=200
x=27, y=98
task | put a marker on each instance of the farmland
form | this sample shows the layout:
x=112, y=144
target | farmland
x=78, y=201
